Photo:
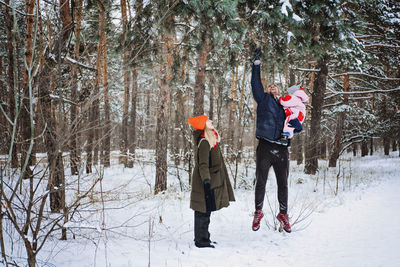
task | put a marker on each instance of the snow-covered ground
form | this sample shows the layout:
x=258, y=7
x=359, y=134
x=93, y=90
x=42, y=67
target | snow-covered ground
x=357, y=225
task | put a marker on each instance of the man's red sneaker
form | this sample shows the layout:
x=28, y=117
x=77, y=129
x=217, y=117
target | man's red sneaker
x=283, y=218
x=258, y=215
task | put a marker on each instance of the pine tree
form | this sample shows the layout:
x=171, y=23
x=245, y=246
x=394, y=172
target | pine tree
x=379, y=33
x=327, y=29
x=362, y=59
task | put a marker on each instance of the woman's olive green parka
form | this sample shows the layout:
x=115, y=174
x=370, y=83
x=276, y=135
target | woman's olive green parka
x=209, y=164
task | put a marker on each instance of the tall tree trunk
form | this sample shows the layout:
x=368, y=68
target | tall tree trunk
x=337, y=144
x=163, y=110
x=398, y=134
x=386, y=145
x=90, y=132
x=364, y=148
x=2, y=246
x=241, y=102
x=311, y=160
x=74, y=150
x=31, y=254
x=179, y=129
x=12, y=83
x=125, y=74
x=93, y=127
x=180, y=112
x=39, y=146
x=371, y=148
x=199, y=86
x=241, y=124
x=322, y=148
x=57, y=195
x=181, y=115
x=106, y=135
x=386, y=139
x=132, y=123
x=212, y=87
x=96, y=108
x=178, y=142
x=299, y=149
x=232, y=110
x=219, y=105
x=27, y=129
x=56, y=170
x=162, y=134
x=148, y=131
x=354, y=150
x=4, y=140
x=90, y=138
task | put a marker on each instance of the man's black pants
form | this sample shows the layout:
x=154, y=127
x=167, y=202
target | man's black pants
x=267, y=155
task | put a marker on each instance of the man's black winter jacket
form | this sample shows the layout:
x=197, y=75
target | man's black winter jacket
x=270, y=114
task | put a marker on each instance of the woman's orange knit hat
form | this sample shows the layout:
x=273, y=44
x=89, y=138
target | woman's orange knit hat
x=198, y=122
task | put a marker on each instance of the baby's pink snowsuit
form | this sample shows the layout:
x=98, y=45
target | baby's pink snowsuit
x=294, y=108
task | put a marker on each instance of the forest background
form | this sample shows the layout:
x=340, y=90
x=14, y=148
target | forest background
x=82, y=82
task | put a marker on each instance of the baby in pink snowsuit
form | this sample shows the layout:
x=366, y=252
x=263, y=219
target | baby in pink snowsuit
x=294, y=107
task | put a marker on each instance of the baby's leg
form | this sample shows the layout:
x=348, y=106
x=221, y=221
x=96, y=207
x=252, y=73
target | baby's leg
x=288, y=131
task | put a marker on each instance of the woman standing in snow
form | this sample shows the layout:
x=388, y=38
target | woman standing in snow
x=211, y=187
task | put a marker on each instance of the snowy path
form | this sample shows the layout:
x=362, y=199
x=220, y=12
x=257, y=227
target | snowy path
x=364, y=232
x=352, y=234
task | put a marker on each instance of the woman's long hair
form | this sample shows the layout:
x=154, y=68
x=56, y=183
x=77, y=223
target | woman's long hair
x=211, y=137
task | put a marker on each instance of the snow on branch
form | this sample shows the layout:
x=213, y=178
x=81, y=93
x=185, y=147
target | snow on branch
x=73, y=61
x=365, y=92
x=285, y=6
x=181, y=44
x=360, y=98
x=355, y=139
x=185, y=25
x=382, y=46
x=350, y=142
x=56, y=97
x=361, y=37
x=365, y=74
x=302, y=69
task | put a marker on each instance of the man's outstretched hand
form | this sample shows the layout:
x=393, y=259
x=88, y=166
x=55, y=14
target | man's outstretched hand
x=257, y=54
